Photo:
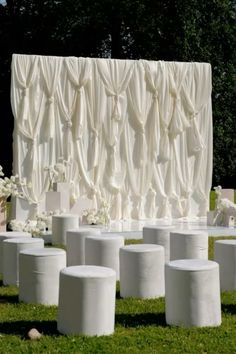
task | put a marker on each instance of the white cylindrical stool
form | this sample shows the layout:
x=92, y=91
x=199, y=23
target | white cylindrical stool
x=39, y=275
x=11, y=250
x=75, y=245
x=188, y=244
x=87, y=300
x=159, y=235
x=10, y=234
x=60, y=225
x=225, y=255
x=103, y=250
x=142, y=271
x=192, y=293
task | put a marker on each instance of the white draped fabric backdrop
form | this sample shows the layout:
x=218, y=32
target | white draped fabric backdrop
x=138, y=133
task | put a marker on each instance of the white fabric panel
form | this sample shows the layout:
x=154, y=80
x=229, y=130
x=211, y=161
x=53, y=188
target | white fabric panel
x=138, y=133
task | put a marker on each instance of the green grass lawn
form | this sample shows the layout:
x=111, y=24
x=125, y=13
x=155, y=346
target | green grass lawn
x=140, y=327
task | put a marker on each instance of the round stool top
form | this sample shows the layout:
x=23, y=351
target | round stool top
x=65, y=216
x=8, y=234
x=159, y=227
x=88, y=271
x=23, y=240
x=106, y=237
x=192, y=264
x=227, y=242
x=189, y=232
x=43, y=252
x=106, y=233
x=84, y=231
x=143, y=247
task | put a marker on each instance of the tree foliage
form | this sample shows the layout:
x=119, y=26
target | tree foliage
x=181, y=30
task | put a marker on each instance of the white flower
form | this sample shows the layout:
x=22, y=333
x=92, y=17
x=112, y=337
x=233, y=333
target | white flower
x=11, y=186
x=100, y=216
x=1, y=171
x=28, y=226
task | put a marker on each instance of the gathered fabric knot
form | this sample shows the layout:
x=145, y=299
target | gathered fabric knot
x=116, y=114
x=95, y=133
x=51, y=99
x=193, y=114
x=79, y=89
x=142, y=129
x=93, y=190
x=68, y=124
x=175, y=95
x=25, y=91
x=33, y=142
x=116, y=97
x=155, y=94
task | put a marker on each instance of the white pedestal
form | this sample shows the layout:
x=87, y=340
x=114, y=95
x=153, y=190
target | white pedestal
x=61, y=187
x=103, y=251
x=228, y=221
x=159, y=235
x=11, y=249
x=6, y=235
x=80, y=205
x=188, y=244
x=59, y=198
x=60, y=225
x=39, y=271
x=57, y=201
x=75, y=245
x=225, y=255
x=227, y=193
x=142, y=271
x=87, y=301
x=64, y=189
x=192, y=293
x=22, y=210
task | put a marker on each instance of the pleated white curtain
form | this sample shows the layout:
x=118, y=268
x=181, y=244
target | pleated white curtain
x=138, y=133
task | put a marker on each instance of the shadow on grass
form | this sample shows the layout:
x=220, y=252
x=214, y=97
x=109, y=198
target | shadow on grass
x=12, y=299
x=229, y=309
x=118, y=294
x=22, y=327
x=141, y=319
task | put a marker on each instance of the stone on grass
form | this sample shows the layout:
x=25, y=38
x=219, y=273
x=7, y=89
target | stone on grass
x=34, y=334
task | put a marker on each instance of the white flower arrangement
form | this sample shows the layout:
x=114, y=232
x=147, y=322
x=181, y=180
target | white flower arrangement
x=98, y=217
x=36, y=227
x=58, y=172
x=26, y=226
x=10, y=186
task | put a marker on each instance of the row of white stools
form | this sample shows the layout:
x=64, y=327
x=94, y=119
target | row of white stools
x=191, y=286
x=103, y=250
x=178, y=244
